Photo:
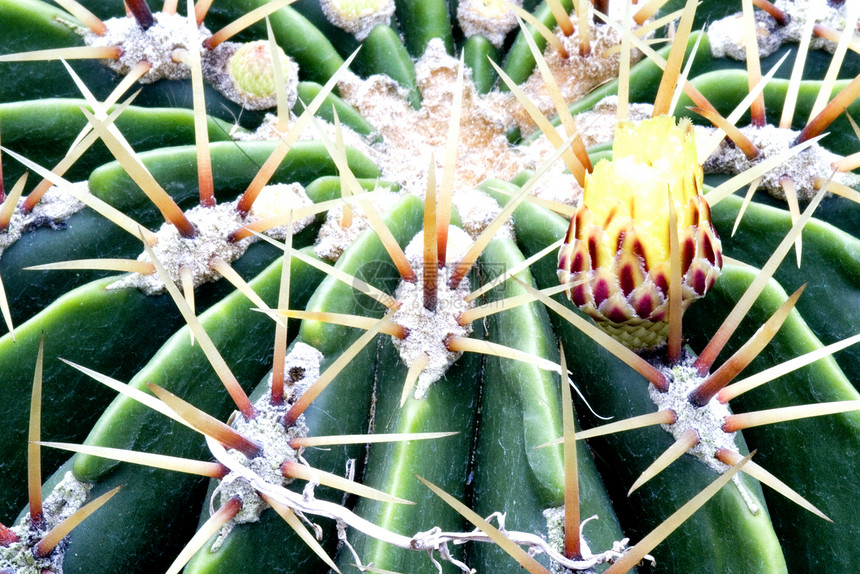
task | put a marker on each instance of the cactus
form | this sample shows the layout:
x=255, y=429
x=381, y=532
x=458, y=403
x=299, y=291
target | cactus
x=426, y=363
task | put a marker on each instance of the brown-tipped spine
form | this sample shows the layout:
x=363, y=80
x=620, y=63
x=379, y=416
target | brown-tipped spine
x=830, y=112
x=744, y=356
x=778, y=15
x=601, y=6
x=141, y=12
x=7, y=536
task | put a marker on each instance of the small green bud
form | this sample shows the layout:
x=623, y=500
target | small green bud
x=358, y=17
x=252, y=71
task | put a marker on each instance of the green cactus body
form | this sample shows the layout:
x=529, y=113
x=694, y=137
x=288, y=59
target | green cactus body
x=505, y=408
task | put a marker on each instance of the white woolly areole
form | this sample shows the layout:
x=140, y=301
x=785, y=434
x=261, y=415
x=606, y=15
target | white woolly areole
x=429, y=330
x=301, y=370
x=477, y=211
x=214, y=225
x=67, y=496
x=575, y=75
x=803, y=168
x=597, y=125
x=334, y=238
x=52, y=210
x=268, y=130
x=707, y=421
x=726, y=35
x=358, y=17
x=169, y=33
x=493, y=19
x=411, y=137
x=555, y=536
x=274, y=200
x=175, y=252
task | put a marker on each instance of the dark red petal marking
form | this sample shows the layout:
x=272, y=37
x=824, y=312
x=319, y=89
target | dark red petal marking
x=616, y=314
x=620, y=243
x=693, y=206
x=579, y=295
x=708, y=247
x=699, y=280
x=600, y=291
x=644, y=307
x=563, y=261
x=627, y=279
x=610, y=217
x=712, y=278
x=639, y=250
x=662, y=283
x=571, y=230
x=688, y=251
x=592, y=250
x=578, y=264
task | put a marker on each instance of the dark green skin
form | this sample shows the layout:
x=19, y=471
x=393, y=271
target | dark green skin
x=55, y=123
x=520, y=409
x=110, y=320
x=45, y=129
x=817, y=456
x=234, y=165
x=829, y=287
x=347, y=114
x=817, y=61
x=242, y=549
x=342, y=41
x=119, y=317
x=27, y=25
x=423, y=20
x=478, y=53
x=329, y=186
x=318, y=333
x=74, y=325
x=451, y=405
x=88, y=235
x=726, y=88
x=343, y=408
x=383, y=52
x=746, y=543
x=151, y=498
x=520, y=62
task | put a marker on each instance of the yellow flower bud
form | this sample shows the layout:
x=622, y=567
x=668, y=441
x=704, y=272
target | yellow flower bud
x=618, y=241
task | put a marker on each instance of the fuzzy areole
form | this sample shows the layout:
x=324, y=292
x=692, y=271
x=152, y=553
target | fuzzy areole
x=157, y=45
x=68, y=495
x=428, y=331
x=301, y=370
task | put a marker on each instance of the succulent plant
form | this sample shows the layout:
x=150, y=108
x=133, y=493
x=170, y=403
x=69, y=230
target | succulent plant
x=475, y=199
